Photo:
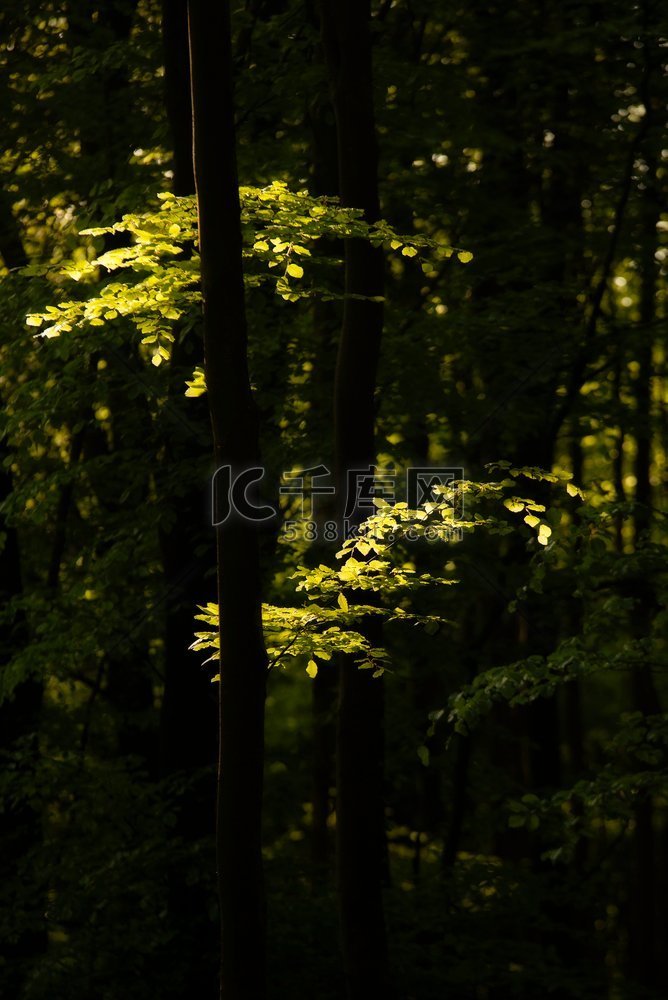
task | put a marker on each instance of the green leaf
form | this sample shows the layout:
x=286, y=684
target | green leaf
x=295, y=271
x=197, y=385
x=544, y=533
x=342, y=602
x=312, y=668
x=464, y=256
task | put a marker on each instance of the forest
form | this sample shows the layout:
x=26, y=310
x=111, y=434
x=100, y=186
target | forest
x=333, y=647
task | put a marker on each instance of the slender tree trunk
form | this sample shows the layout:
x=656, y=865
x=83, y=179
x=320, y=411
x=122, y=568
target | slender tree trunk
x=646, y=947
x=177, y=92
x=326, y=323
x=20, y=712
x=618, y=462
x=189, y=707
x=243, y=667
x=573, y=724
x=20, y=825
x=359, y=805
x=460, y=780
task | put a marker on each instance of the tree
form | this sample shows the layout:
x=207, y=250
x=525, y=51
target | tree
x=359, y=788
x=243, y=660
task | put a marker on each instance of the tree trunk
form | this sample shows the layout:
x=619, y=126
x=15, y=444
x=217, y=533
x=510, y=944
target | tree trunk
x=359, y=804
x=177, y=92
x=646, y=945
x=189, y=706
x=20, y=712
x=243, y=667
x=326, y=324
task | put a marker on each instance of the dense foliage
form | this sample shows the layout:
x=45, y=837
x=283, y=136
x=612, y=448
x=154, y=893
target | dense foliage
x=523, y=642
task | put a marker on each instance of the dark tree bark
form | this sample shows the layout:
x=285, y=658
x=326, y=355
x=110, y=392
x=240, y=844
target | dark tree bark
x=648, y=907
x=326, y=323
x=359, y=804
x=20, y=827
x=235, y=432
x=11, y=242
x=177, y=92
x=647, y=944
x=189, y=707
